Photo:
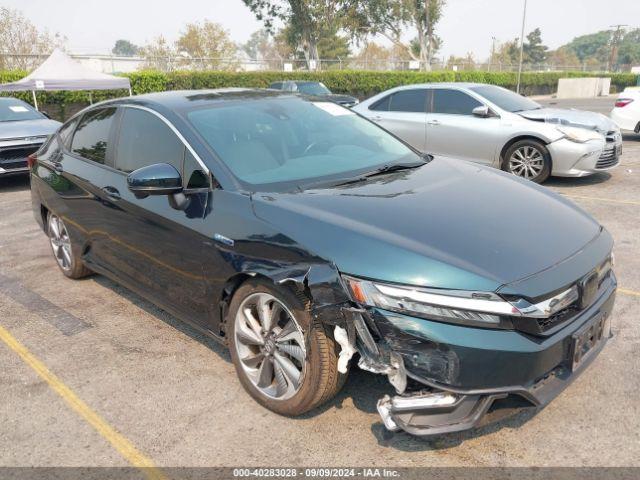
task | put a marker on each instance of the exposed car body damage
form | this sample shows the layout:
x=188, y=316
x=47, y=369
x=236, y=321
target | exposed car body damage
x=571, y=117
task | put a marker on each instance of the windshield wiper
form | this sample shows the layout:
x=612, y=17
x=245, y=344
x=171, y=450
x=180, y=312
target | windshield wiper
x=392, y=168
x=378, y=171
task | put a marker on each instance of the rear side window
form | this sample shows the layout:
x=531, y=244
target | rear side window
x=409, y=101
x=453, y=102
x=144, y=140
x=90, y=140
x=276, y=86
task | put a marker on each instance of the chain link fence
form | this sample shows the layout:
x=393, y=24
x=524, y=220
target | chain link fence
x=119, y=64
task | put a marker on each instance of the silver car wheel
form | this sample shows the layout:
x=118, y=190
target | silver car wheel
x=270, y=346
x=526, y=162
x=60, y=242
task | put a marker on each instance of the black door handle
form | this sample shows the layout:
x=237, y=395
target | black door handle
x=112, y=193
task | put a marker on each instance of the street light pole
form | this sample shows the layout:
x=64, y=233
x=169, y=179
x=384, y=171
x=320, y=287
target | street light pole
x=524, y=17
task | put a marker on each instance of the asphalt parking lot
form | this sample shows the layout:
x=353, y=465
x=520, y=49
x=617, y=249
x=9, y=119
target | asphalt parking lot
x=93, y=375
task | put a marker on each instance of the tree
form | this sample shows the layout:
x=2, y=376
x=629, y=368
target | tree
x=467, y=62
x=391, y=18
x=264, y=47
x=594, y=46
x=629, y=49
x=508, y=53
x=22, y=45
x=306, y=22
x=534, y=51
x=125, y=48
x=209, y=45
x=564, y=57
x=159, y=55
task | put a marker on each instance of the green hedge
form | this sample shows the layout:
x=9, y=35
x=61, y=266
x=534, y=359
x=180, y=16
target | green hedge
x=359, y=83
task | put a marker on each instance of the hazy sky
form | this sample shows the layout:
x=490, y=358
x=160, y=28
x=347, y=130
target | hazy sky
x=93, y=26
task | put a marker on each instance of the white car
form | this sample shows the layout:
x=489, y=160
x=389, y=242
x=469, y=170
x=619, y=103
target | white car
x=626, y=113
x=496, y=127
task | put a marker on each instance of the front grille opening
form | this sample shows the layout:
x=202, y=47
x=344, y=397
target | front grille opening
x=558, y=318
x=16, y=157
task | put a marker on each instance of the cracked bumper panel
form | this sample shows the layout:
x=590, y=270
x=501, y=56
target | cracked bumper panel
x=477, y=360
x=484, y=372
x=571, y=159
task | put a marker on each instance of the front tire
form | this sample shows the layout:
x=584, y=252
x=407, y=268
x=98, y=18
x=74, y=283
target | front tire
x=286, y=360
x=528, y=159
x=66, y=255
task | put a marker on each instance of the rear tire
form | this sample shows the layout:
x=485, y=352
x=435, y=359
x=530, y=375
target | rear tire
x=65, y=253
x=528, y=159
x=305, y=344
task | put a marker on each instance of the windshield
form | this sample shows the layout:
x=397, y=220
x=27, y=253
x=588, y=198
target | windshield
x=13, y=110
x=313, y=88
x=506, y=99
x=277, y=143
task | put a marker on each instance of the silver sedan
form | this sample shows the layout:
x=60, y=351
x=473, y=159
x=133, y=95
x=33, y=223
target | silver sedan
x=497, y=127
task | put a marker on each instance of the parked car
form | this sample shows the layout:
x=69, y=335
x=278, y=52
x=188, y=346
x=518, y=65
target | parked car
x=626, y=112
x=496, y=127
x=299, y=233
x=23, y=130
x=314, y=88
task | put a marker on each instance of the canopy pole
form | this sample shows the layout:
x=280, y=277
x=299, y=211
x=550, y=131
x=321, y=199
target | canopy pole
x=35, y=100
x=130, y=92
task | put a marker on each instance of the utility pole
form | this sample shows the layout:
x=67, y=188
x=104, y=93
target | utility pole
x=524, y=18
x=614, y=45
x=493, y=53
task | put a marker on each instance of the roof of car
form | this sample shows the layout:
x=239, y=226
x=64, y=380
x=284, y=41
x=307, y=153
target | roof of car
x=446, y=84
x=179, y=99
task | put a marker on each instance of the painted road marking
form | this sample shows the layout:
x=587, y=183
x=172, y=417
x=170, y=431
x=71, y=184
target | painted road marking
x=600, y=199
x=633, y=293
x=117, y=440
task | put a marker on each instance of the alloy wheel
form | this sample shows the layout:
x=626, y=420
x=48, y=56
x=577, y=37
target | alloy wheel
x=270, y=346
x=60, y=242
x=526, y=162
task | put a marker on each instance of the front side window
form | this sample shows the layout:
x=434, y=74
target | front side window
x=381, y=105
x=506, y=99
x=279, y=143
x=90, y=139
x=145, y=139
x=408, y=101
x=453, y=102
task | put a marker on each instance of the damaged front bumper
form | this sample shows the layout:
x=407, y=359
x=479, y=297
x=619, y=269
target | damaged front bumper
x=466, y=376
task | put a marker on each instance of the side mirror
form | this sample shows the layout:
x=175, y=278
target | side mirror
x=157, y=179
x=482, y=111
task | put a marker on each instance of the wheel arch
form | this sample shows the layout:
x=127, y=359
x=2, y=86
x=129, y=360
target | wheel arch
x=317, y=285
x=519, y=138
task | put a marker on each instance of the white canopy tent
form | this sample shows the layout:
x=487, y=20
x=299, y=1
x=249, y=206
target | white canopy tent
x=61, y=72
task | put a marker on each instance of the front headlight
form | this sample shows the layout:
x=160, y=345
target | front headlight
x=480, y=309
x=579, y=135
x=454, y=306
